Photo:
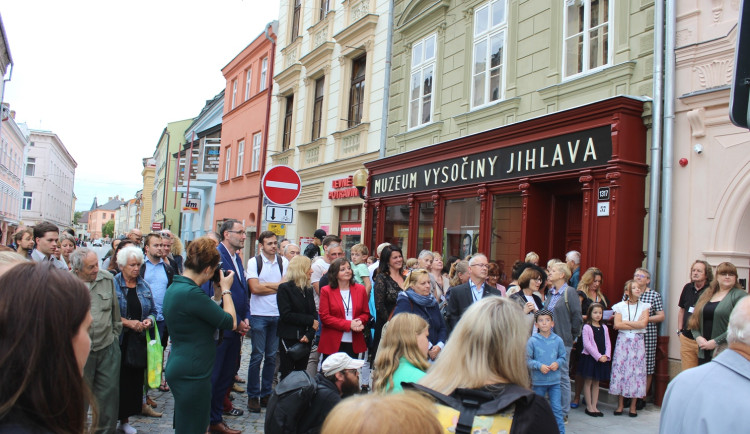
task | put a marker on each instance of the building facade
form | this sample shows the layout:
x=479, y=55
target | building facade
x=326, y=119
x=244, y=134
x=165, y=200
x=101, y=215
x=14, y=141
x=145, y=196
x=48, y=181
x=198, y=163
x=710, y=196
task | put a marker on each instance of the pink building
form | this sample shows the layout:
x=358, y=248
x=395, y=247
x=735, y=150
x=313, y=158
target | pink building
x=244, y=133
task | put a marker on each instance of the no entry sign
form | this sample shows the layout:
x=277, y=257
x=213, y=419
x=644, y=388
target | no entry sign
x=281, y=185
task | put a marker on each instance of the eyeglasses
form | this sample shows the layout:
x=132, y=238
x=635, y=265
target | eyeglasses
x=537, y=278
x=480, y=265
x=236, y=232
x=640, y=276
x=727, y=274
x=353, y=371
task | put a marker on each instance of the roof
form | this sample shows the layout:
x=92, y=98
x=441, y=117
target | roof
x=112, y=205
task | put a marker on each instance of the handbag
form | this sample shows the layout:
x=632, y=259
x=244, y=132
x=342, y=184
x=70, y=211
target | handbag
x=297, y=351
x=135, y=350
x=155, y=359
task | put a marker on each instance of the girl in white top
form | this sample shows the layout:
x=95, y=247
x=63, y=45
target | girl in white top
x=629, y=360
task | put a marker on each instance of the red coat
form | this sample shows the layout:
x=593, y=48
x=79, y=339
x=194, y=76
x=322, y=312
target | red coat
x=332, y=316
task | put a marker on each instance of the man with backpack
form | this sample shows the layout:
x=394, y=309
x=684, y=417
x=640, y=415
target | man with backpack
x=264, y=274
x=301, y=404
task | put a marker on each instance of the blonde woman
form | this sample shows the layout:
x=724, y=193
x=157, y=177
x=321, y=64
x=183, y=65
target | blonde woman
x=591, y=285
x=403, y=413
x=441, y=280
x=459, y=273
x=176, y=251
x=532, y=257
x=418, y=299
x=402, y=356
x=298, y=319
x=487, y=354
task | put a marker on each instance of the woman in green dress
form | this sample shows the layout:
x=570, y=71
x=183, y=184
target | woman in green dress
x=193, y=318
x=402, y=356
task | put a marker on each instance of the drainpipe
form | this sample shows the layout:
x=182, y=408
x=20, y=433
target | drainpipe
x=387, y=86
x=264, y=149
x=656, y=137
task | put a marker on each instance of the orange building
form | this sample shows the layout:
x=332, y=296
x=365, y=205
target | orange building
x=244, y=133
x=100, y=215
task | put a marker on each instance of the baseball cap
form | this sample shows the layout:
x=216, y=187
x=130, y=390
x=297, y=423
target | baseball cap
x=319, y=234
x=338, y=362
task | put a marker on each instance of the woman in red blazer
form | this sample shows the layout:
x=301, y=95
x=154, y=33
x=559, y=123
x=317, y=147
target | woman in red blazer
x=343, y=311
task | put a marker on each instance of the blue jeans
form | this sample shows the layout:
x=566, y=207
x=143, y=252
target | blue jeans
x=565, y=382
x=554, y=401
x=265, y=343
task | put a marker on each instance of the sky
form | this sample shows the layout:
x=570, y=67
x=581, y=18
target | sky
x=107, y=77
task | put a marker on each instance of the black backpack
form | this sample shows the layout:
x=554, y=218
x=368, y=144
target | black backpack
x=288, y=402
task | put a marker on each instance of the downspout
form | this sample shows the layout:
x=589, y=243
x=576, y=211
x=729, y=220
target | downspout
x=387, y=85
x=264, y=150
x=656, y=137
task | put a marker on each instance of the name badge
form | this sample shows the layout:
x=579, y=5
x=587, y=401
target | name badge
x=692, y=308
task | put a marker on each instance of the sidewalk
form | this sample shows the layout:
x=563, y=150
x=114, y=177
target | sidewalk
x=647, y=421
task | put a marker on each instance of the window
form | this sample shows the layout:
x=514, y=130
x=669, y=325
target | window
x=489, y=46
x=234, y=94
x=240, y=156
x=295, y=19
x=420, y=91
x=461, y=233
x=263, y=71
x=30, y=166
x=287, y=139
x=26, y=205
x=227, y=163
x=248, y=80
x=318, y=108
x=324, y=8
x=586, y=35
x=256, y=151
x=357, y=91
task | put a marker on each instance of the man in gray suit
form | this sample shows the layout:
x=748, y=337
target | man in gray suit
x=464, y=295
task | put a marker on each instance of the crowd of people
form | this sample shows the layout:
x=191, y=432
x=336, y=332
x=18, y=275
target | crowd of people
x=444, y=332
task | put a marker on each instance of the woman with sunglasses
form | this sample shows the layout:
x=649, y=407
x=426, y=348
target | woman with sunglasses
x=192, y=318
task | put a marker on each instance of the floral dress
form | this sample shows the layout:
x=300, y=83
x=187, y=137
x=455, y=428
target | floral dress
x=629, y=360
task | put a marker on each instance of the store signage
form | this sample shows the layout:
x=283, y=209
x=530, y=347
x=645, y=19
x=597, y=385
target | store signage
x=351, y=229
x=156, y=226
x=190, y=204
x=343, y=188
x=211, y=158
x=579, y=150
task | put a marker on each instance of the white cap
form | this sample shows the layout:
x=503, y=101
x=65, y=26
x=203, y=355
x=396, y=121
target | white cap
x=338, y=362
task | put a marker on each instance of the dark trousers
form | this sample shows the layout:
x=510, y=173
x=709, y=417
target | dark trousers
x=225, y=366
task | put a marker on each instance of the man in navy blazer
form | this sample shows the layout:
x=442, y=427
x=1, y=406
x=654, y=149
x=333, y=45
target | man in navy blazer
x=462, y=296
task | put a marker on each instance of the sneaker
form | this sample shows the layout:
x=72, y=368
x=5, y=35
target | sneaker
x=253, y=405
x=126, y=428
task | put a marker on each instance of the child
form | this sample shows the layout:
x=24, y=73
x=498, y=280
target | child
x=411, y=264
x=594, y=363
x=370, y=260
x=359, y=268
x=545, y=352
x=629, y=361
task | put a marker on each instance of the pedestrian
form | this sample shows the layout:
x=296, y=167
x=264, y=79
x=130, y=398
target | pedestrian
x=417, y=298
x=529, y=281
x=24, y=239
x=546, y=354
x=42, y=356
x=402, y=356
x=290, y=251
x=701, y=275
x=46, y=235
x=358, y=253
x=136, y=236
x=656, y=315
x=573, y=261
x=314, y=249
x=594, y=365
x=67, y=245
x=403, y=413
x=629, y=359
x=388, y=282
x=464, y=295
x=9, y=259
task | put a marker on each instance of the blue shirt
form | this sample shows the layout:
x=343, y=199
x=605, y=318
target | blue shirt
x=156, y=276
x=556, y=294
x=545, y=351
x=476, y=293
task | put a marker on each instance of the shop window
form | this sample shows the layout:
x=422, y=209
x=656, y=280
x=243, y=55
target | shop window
x=461, y=232
x=426, y=219
x=587, y=41
x=350, y=227
x=420, y=91
x=357, y=91
x=396, y=229
x=374, y=233
x=490, y=26
x=505, y=241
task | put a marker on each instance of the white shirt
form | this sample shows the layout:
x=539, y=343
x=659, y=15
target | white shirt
x=631, y=312
x=346, y=298
x=265, y=305
x=372, y=267
x=319, y=268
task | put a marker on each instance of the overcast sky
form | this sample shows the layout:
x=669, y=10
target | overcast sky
x=107, y=77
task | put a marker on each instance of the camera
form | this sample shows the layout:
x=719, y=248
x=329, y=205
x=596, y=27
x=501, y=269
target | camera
x=216, y=278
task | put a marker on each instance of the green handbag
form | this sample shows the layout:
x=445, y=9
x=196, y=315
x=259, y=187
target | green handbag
x=155, y=353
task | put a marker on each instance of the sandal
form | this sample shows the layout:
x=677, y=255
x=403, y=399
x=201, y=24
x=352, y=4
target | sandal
x=164, y=387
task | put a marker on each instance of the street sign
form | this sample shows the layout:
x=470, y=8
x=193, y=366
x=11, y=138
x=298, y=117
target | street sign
x=156, y=226
x=603, y=193
x=281, y=185
x=603, y=209
x=277, y=228
x=279, y=214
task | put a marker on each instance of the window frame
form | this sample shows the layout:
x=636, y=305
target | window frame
x=325, y=7
x=486, y=36
x=240, y=157
x=227, y=162
x=296, y=18
x=30, y=164
x=355, y=109
x=263, y=74
x=248, y=82
x=255, y=165
x=420, y=68
x=317, y=114
x=27, y=200
x=586, y=43
x=234, y=93
x=286, y=133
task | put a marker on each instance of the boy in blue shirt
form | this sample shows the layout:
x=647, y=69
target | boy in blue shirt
x=545, y=352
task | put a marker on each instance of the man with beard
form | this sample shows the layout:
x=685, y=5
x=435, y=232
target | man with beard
x=339, y=379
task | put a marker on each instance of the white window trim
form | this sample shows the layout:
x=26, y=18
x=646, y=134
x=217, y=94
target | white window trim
x=234, y=94
x=228, y=163
x=420, y=68
x=264, y=73
x=248, y=82
x=30, y=198
x=256, y=152
x=240, y=157
x=491, y=31
x=586, y=19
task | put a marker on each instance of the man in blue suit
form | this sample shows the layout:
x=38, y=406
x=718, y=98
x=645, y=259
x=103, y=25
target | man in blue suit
x=232, y=236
